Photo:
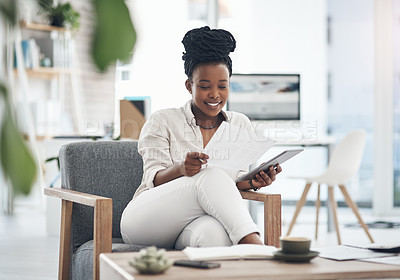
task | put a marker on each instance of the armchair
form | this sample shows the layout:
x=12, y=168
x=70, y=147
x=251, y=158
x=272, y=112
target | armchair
x=103, y=175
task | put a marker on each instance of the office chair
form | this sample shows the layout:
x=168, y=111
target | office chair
x=343, y=164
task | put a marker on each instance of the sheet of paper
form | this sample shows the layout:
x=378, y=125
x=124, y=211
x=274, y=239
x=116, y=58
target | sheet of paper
x=235, y=149
x=394, y=260
x=342, y=253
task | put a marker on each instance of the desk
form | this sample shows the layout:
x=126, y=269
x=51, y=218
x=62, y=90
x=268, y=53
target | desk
x=115, y=266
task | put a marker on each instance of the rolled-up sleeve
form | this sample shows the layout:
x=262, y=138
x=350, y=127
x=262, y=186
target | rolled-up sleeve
x=154, y=147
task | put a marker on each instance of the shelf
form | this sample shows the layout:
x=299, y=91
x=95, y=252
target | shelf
x=45, y=72
x=41, y=27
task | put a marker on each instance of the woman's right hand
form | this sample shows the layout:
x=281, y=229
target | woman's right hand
x=192, y=163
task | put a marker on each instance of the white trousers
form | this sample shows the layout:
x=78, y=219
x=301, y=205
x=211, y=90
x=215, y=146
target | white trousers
x=159, y=215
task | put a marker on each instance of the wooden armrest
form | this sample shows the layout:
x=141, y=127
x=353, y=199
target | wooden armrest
x=272, y=215
x=102, y=229
x=74, y=196
x=256, y=196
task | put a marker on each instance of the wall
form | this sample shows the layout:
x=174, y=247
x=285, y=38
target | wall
x=351, y=67
x=97, y=89
x=290, y=36
x=157, y=66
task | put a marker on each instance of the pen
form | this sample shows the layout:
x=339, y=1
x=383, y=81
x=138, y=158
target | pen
x=200, y=159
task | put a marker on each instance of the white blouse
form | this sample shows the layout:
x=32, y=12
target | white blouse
x=169, y=134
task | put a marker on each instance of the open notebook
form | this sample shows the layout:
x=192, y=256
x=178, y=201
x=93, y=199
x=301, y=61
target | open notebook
x=240, y=251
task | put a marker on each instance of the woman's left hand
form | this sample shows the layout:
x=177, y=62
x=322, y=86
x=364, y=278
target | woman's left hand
x=264, y=179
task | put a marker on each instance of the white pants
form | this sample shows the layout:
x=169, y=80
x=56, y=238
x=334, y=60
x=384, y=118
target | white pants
x=158, y=216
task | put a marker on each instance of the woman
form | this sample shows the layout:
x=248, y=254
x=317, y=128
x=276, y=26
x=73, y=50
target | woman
x=178, y=195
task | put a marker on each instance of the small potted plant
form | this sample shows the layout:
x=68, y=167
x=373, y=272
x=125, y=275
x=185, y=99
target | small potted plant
x=60, y=14
x=151, y=261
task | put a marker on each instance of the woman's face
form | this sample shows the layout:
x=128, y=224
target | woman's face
x=209, y=88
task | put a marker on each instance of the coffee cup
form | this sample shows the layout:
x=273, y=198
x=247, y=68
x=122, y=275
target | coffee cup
x=295, y=245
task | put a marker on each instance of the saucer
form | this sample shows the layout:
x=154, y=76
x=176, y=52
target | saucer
x=295, y=257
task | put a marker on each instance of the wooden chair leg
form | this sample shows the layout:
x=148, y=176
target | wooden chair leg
x=299, y=205
x=333, y=203
x=272, y=220
x=354, y=207
x=65, y=240
x=102, y=235
x=317, y=206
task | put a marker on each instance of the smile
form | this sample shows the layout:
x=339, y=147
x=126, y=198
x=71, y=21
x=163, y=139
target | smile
x=214, y=104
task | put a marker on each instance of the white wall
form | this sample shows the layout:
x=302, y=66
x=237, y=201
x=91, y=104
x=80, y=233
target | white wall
x=351, y=67
x=157, y=68
x=290, y=36
x=384, y=94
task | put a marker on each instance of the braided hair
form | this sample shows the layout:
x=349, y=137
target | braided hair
x=207, y=46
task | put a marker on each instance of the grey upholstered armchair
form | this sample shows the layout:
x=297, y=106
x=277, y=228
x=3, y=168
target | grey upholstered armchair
x=98, y=179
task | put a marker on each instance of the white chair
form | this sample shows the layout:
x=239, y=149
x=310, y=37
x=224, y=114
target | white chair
x=343, y=164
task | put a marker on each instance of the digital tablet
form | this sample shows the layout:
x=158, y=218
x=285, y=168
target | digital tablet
x=281, y=158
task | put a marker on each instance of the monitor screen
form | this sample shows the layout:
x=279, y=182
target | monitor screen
x=265, y=96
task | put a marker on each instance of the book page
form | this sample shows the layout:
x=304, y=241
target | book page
x=253, y=251
x=235, y=149
x=241, y=251
x=210, y=253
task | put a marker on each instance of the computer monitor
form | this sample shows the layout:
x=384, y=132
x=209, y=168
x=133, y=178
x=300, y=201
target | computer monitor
x=265, y=96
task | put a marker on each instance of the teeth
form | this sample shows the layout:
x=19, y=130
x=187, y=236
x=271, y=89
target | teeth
x=213, y=104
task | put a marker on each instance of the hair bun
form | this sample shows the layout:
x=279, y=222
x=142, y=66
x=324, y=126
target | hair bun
x=204, y=45
x=203, y=40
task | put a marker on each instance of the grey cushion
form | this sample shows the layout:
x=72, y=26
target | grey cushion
x=82, y=260
x=106, y=168
x=111, y=169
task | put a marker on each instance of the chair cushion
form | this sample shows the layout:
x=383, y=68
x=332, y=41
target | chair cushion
x=106, y=168
x=82, y=259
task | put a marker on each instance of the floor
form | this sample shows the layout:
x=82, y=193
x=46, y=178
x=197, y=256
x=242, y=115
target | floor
x=27, y=252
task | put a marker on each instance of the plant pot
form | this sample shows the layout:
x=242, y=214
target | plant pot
x=57, y=21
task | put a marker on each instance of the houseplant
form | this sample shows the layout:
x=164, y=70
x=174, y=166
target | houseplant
x=61, y=14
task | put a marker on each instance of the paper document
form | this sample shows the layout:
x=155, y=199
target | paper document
x=342, y=253
x=235, y=149
x=394, y=260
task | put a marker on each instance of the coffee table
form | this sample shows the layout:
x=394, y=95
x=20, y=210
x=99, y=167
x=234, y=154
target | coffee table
x=115, y=266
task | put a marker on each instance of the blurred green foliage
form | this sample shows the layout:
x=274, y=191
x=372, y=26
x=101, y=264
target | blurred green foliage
x=16, y=158
x=114, y=39
x=115, y=35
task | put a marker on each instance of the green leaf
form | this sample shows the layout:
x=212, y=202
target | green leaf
x=46, y=5
x=8, y=8
x=15, y=157
x=115, y=35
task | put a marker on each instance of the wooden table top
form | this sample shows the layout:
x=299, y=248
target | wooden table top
x=318, y=268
